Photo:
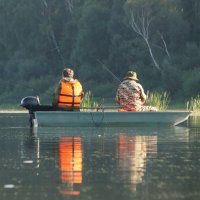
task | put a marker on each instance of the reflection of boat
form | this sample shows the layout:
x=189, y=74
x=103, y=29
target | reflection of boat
x=52, y=116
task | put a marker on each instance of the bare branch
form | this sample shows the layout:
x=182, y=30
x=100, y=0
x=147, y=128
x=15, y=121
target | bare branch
x=45, y=3
x=142, y=29
x=134, y=26
x=165, y=45
x=69, y=5
x=152, y=56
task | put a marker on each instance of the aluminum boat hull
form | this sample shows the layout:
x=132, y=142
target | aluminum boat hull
x=93, y=118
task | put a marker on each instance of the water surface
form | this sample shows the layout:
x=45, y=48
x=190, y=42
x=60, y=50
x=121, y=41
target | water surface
x=98, y=163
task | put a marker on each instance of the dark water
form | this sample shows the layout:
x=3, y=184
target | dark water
x=98, y=163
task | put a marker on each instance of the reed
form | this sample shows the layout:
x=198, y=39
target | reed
x=88, y=101
x=158, y=100
x=194, y=104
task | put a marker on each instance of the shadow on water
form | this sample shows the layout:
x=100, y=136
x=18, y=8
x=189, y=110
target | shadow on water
x=99, y=163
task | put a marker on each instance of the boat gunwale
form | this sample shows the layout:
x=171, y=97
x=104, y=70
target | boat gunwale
x=128, y=112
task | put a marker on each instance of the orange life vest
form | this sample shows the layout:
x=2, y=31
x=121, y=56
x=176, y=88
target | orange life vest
x=70, y=94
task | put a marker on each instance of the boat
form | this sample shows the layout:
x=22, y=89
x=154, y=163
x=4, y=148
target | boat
x=111, y=118
x=46, y=115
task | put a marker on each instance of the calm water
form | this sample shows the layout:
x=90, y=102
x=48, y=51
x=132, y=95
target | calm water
x=98, y=163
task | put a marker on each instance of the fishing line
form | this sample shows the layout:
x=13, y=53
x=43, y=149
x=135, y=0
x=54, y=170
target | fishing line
x=106, y=68
x=113, y=75
x=51, y=32
x=110, y=72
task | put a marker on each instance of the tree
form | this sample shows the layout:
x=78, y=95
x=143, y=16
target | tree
x=141, y=15
x=190, y=11
x=92, y=40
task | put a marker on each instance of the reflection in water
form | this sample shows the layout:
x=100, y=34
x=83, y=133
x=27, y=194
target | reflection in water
x=70, y=163
x=132, y=152
x=112, y=157
x=93, y=163
x=193, y=121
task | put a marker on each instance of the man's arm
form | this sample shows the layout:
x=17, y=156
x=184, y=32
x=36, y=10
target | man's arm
x=142, y=94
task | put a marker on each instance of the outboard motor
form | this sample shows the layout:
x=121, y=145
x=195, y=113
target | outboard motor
x=30, y=102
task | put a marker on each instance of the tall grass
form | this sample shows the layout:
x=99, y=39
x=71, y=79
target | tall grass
x=88, y=101
x=158, y=100
x=194, y=104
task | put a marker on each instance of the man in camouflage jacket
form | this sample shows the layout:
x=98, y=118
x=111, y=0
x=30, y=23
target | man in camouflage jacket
x=130, y=94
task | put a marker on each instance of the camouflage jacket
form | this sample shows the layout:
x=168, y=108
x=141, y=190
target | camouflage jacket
x=130, y=95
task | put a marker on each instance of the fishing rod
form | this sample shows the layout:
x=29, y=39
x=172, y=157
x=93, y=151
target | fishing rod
x=51, y=33
x=116, y=78
x=106, y=68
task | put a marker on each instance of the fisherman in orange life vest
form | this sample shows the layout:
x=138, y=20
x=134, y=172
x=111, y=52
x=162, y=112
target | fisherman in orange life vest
x=69, y=92
x=130, y=95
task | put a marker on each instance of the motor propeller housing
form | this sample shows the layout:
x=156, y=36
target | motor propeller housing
x=30, y=102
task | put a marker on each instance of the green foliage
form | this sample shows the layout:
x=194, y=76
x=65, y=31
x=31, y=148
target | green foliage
x=158, y=100
x=191, y=82
x=39, y=38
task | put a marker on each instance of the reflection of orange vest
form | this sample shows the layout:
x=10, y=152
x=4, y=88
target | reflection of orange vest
x=70, y=94
x=70, y=162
